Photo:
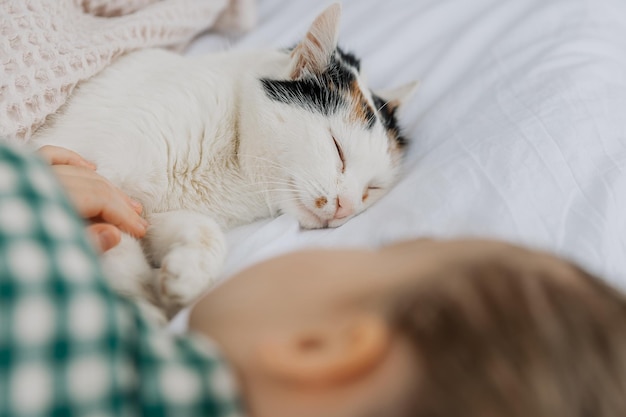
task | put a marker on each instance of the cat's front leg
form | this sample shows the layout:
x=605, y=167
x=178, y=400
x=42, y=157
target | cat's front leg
x=189, y=248
x=130, y=275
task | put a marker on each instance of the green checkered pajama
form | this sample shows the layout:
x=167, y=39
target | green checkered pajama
x=69, y=346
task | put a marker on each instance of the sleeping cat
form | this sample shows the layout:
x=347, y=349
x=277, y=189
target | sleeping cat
x=208, y=143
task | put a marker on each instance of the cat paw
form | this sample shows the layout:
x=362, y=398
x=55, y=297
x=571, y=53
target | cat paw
x=185, y=273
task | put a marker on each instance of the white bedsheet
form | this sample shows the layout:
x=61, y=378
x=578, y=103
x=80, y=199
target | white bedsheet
x=518, y=129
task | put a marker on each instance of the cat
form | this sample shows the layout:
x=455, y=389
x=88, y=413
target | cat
x=207, y=143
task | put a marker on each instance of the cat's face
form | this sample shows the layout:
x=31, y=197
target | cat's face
x=339, y=145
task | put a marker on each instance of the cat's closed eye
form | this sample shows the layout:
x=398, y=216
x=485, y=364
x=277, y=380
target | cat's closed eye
x=369, y=189
x=340, y=153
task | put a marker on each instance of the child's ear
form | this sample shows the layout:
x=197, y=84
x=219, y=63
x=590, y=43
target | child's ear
x=396, y=97
x=326, y=356
x=313, y=53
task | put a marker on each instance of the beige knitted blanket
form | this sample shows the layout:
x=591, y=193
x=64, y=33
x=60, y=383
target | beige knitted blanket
x=48, y=46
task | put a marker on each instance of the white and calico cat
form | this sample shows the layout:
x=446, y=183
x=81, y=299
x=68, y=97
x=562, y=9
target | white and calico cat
x=208, y=143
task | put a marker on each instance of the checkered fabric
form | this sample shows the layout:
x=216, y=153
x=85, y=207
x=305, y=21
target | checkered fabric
x=69, y=346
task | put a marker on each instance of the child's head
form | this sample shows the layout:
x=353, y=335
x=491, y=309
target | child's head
x=422, y=328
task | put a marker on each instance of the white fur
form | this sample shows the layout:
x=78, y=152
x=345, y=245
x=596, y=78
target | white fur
x=200, y=145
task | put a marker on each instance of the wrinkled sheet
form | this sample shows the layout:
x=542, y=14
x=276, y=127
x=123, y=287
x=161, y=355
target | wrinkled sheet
x=518, y=128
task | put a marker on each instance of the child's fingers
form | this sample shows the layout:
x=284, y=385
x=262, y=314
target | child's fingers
x=104, y=236
x=136, y=205
x=117, y=212
x=95, y=197
x=56, y=155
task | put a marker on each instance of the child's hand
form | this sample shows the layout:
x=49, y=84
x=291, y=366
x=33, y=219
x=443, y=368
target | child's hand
x=95, y=198
x=56, y=155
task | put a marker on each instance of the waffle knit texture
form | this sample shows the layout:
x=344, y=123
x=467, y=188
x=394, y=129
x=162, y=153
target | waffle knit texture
x=48, y=46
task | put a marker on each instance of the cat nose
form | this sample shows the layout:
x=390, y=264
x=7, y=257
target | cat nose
x=344, y=208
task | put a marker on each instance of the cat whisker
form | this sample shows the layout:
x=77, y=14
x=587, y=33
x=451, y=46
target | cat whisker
x=318, y=189
x=304, y=182
x=278, y=180
x=260, y=158
x=383, y=106
x=373, y=116
x=260, y=192
x=297, y=200
x=258, y=184
x=276, y=165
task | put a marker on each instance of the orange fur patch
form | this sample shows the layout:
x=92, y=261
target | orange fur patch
x=362, y=110
x=320, y=202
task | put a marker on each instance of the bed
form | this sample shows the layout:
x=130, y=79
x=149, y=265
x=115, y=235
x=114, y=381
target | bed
x=518, y=129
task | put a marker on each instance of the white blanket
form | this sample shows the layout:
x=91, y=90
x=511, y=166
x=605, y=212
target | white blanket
x=518, y=129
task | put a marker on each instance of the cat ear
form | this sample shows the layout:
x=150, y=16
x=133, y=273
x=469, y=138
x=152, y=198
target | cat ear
x=396, y=97
x=313, y=53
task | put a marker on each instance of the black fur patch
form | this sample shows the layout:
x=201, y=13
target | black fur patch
x=390, y=121
x=309, y=93
x=330, y=91
x=370, y=116
x=323, y=93
x=349, y=59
